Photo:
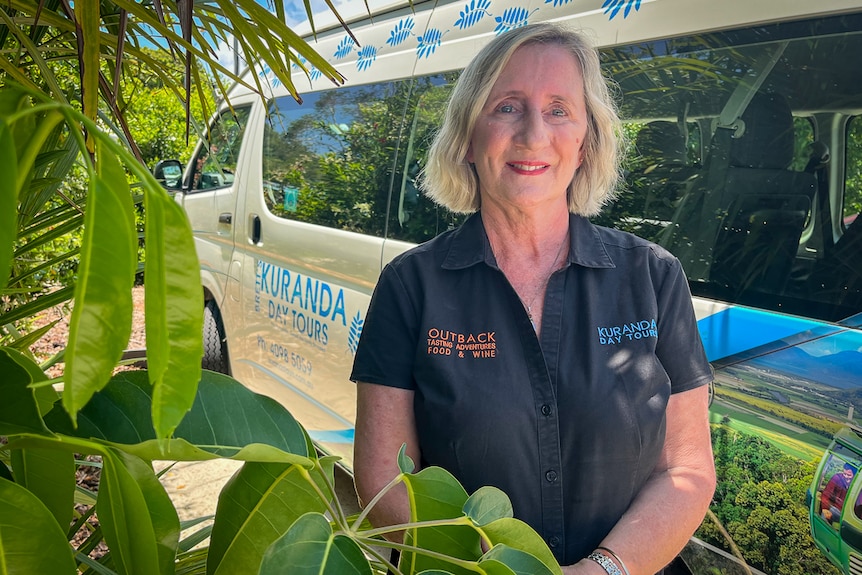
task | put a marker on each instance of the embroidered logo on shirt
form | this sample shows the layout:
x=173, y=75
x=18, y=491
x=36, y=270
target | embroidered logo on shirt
x=477, y=345
x=614, y=334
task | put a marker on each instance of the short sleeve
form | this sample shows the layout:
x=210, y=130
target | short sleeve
x=387, y=345
x=679, y=346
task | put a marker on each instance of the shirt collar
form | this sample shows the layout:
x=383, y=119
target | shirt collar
x=470, y=245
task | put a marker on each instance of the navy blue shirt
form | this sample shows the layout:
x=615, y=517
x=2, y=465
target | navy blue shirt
x=570, y=427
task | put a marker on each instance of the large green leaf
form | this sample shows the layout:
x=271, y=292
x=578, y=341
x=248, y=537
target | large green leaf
x=259, y=504
x=174, y=308
x=8, y=201
x=435, y=494
x=310, y=548
x=226, y=420
x=102, y=317
x=505, y=560
x=516, y=534
x=125, y=520
x=49, y=474
x=37, y=545
x=19, y=409
x=487, y=504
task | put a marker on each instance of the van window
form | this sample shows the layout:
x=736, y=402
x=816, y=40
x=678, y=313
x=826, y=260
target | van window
x=853, y=183
x=329, y=161
x=414, y=217
x=215, y=162
x=721, y=171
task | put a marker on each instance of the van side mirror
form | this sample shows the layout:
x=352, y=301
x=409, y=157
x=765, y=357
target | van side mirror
x=169, y=173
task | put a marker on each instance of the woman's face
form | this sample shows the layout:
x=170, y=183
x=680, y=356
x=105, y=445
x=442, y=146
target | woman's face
x=528, y=139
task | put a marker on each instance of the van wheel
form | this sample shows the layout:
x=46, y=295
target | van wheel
x=215, y=347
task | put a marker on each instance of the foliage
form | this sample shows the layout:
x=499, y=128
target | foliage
x=853, y=189
x=113, y=61
x=760, y=500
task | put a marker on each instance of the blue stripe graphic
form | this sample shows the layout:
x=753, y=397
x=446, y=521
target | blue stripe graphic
x=738, y=329
x=332, y=436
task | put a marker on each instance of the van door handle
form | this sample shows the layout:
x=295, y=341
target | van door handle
x=225, y=218
x=255, y=229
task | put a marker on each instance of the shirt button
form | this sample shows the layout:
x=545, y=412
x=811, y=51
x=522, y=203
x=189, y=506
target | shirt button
x=553, y=541
x=551, y=476
x=546, y=410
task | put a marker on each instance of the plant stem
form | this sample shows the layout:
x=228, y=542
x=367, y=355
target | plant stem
x=395, y=481
x=418, y=524
x=369, y=545
x=404, y=548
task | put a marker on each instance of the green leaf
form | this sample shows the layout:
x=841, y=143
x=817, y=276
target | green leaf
x=49, y=474
x=256, y=506
x=488, y=504
x=516, y=534
x=405, y=463
x=435, y=494
x=89, y=20
x=310, y=548
x=226, y=420
x=102, y=317
x=19, y=410
x=174, y=309
x=8, y=201
x=37, y=545
x=163, y=514
x=125, y=519
x=505, y=560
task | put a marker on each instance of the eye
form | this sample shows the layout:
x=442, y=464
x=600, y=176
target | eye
x=559, y=112
x=506, y=108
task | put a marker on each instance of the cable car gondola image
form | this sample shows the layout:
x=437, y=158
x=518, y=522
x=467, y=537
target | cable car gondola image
x=835, y=502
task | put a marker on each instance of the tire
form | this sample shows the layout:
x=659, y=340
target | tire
x=215, y=347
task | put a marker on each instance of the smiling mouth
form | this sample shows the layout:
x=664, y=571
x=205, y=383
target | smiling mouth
x=529, y=167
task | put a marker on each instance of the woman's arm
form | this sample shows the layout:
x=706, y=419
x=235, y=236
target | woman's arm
x=674, y=501
x=384, y=421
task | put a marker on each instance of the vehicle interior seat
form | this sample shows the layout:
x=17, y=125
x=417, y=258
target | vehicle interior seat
x=741, y=227
x=837, y=278
x=662, y=174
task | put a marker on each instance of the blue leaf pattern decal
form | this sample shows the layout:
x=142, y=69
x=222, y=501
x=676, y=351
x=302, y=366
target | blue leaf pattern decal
x=344, y=47
x=614, y=6
x=366, y=57
x=355, y=331
x=512, y=18
x=402, y=31
x=429, y=42
x=473, y=13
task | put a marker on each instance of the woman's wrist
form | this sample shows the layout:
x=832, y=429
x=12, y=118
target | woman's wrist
x=616, y=558
x=609, y=561
x=605, y=562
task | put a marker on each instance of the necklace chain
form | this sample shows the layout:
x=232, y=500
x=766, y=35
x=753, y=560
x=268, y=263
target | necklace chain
x=544, y=284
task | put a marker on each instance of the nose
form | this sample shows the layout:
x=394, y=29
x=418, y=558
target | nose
x=533, y=132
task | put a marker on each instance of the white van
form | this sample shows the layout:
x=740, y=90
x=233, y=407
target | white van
x=747, y=123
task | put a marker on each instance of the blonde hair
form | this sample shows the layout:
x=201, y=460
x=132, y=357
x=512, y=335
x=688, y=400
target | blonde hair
x=450, y=180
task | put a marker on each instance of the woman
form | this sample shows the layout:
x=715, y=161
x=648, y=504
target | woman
x=530, y=349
